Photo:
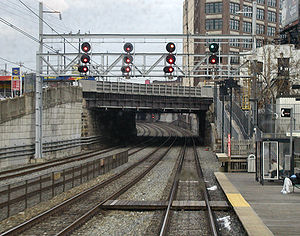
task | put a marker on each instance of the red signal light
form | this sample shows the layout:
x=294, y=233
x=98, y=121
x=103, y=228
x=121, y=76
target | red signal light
x=83, y=69
x=128, y=47
x=170, y=47
x=171, y=59
x=125, y=69
x=168, y=69
x=213, y=59
x=85, y=58
x=85, y=47
x=128, y=59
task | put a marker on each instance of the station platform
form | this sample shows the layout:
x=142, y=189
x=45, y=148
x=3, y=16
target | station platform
x=262, y=209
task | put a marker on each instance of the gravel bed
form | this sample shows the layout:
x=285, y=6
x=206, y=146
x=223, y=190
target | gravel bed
x=227, y=221
x=189, y=223
x=140, y=220
x=60, y=167
x=56, y=223
x=152, y=187
x=43, y=206
x=153, y=184
x=117, y=223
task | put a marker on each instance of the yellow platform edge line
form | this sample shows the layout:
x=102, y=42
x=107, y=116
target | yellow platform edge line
x=252, y=223
x=237, y=200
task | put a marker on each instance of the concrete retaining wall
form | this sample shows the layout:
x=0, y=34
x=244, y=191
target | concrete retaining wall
x=62, y=110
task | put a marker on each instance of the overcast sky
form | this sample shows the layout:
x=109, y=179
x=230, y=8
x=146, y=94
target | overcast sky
x=94, y=16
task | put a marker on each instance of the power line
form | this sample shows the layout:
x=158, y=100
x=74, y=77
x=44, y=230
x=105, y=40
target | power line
x=16, y=64
x=47, y=24
x=23, y=14
x=51, y=27
x=26, y=34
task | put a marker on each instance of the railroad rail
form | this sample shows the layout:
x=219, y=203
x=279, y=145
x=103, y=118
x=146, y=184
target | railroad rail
x=184, y=187
x=61, y=180
x=80, y=201
x=28, y=169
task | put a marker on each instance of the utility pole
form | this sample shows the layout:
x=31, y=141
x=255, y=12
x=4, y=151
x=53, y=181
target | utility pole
x=38, y=92
x=291, y=142
x=254, y=7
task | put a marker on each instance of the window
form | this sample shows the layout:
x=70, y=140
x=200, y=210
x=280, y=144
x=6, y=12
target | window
x=261, y=2
x=234, y=7
x=234, y=43
x=271, y=16
x=234, y=59
x=213, y=8
x=213, y=24
x=234, y=24
x=271, y=31
x=280, y=18
x=272, y=3
x=247, y=43
x=280, y=4
x=247, y=11
x=259, y=43
x=260, y=29
x=247, y=27
x=260, y=14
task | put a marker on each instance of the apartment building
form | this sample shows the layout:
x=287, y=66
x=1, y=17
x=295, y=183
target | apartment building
x=233, y=17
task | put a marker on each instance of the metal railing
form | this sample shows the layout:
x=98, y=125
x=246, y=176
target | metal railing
x=19, y=196
x=28, y=150
x=153, y=89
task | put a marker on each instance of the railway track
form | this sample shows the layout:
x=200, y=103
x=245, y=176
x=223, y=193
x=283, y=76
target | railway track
x=69, y=215
x=188, y=185
x=29, y=169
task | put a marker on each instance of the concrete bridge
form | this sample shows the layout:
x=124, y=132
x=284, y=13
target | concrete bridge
x=75, y=117
x=146, y=97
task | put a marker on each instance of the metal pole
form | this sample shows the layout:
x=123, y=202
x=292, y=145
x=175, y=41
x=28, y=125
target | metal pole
x=254, y=10
x=38, y=90
x=223, y=108
x=230, y=128
x=291, y=142
x=21, y=85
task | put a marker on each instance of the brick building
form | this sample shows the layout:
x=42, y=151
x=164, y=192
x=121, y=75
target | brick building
x=234, y=17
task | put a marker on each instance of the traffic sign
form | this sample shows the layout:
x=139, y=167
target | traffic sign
x=285, y=112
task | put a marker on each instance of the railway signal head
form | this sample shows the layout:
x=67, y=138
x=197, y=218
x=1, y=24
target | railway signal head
x=213, y=47
x=170, y=47
x=83, y=69
x=128, y=47
x=85, y=58
x=168, y=69
x=128, y=59
x=86, y=47
x=125, y=69
x=213, y=59
x=171, y=59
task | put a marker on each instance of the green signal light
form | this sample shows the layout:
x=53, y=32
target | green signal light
x=213, y=47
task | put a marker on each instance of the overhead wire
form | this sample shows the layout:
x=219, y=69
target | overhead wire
x=46, y=23
x=26, y=34
x=16, y=9
x=17, y=64
x=51, y=28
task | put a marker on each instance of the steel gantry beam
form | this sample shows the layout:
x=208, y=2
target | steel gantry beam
x=145, y=36
x=106, y=58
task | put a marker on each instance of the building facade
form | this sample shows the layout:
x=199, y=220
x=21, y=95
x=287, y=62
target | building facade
x=234, y=17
